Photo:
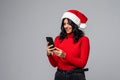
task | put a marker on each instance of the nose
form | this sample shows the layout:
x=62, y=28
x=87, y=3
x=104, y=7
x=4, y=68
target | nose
x=66, y=25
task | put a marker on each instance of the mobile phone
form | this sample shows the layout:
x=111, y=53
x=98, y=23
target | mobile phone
x=50, y=40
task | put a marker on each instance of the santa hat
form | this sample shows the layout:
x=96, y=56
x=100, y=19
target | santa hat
x=77, y=17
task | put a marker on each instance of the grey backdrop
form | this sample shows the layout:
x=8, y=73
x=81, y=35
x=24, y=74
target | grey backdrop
x=24, y=24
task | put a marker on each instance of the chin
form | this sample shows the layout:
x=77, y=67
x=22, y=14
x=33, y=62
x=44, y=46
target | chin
x=69, y=32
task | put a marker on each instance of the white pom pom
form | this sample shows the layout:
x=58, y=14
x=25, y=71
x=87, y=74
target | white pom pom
x=82, y=25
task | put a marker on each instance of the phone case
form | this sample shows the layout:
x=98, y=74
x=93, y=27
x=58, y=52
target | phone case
x=50, y=40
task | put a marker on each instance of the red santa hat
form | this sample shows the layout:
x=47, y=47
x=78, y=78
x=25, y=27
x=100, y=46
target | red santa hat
x=77, y=17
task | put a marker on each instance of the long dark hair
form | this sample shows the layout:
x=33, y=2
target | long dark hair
x=75, y=29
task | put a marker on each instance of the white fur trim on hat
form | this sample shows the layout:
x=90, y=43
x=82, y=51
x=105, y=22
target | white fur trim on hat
x=71, y=16
x=82, y=25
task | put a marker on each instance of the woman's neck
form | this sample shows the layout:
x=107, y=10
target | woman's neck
x=70, y=34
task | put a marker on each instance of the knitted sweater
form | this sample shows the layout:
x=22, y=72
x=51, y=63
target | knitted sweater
x=76, y=53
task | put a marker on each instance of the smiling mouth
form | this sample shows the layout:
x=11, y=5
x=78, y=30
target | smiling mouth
x=67, y=29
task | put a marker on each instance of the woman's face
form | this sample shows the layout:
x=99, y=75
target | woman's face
x=67, y=26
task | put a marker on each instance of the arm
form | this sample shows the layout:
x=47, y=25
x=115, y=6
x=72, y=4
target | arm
x=53, y=59
x=82, y=60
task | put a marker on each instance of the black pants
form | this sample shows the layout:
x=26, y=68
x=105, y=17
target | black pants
x=75, y=74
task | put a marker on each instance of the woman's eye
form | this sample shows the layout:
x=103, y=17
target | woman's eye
x=68, y=24
x=64, y=23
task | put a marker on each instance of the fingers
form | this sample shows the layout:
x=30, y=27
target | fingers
x=50, y=46
x=50, y=49
x=58, y=52
x=58, y=49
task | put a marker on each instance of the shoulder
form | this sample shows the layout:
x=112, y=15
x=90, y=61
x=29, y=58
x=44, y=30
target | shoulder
x=57, y=37
x=57, y=41
x=84, y=38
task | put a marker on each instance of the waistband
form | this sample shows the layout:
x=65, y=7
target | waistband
x=76, y=70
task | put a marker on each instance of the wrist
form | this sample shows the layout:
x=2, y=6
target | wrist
x=48, y=54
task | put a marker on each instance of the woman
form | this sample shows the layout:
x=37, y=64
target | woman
x=71, y=51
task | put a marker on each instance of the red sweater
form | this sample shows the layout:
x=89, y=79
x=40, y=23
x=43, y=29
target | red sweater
x=76, y=53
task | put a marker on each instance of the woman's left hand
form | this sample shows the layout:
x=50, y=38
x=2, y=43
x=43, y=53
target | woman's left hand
x=59, y=52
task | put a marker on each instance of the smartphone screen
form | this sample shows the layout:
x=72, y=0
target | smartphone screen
x=50, y=40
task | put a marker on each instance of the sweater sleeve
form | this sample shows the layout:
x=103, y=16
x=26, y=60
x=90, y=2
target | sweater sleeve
x=82, y=60
x=53, y=59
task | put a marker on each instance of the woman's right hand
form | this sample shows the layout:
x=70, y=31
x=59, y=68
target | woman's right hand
x=50, y=49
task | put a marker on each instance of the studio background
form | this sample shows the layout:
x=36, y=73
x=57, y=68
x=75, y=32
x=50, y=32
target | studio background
x=24, y=24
